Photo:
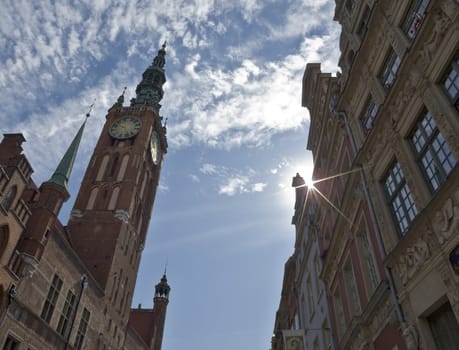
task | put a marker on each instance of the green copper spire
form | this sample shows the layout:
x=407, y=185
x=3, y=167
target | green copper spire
x=150, y=89
x=64, y=169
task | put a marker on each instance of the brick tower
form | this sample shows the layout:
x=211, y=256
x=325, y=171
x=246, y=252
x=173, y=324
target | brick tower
x=110, y=218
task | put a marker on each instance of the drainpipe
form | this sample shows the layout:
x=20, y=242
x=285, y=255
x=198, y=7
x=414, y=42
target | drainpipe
x=84, y=284
x=387, y=270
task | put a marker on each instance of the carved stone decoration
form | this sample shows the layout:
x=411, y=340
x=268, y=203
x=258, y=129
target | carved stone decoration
x=360, y=341
x=413, y=259
x=450, y=8
x=122, y=215
x=411, y=336
x=446, y=220
x=294, y=339
x=441, y=22
x=410, y=89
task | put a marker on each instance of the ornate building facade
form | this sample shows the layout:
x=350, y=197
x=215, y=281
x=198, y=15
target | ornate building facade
x=303, y=315
x=384, y=137
x=71, y=286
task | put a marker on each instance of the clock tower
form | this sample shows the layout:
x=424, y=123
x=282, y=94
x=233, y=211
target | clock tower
x=111, y=214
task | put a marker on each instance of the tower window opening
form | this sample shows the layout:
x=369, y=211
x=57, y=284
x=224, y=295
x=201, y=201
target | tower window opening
x=9, y=197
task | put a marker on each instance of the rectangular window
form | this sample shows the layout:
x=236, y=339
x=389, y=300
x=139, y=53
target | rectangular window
x=11, y=344
x=369, y=114
x=51, y=299
x=67, y=312
x=451, y=82
x=399, y=197
x=414, y=18
x=390, y=69
x=82, y=329
x=432, y=152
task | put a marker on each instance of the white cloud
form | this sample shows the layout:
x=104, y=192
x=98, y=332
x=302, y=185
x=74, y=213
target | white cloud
x=194, y=178
x=258, y=187
x=208, y=169
x=231, y=181
x=66, y=54
x=234, y=185
x=163, y=187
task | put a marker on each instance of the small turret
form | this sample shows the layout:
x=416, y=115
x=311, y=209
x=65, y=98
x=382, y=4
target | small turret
x=162, y=290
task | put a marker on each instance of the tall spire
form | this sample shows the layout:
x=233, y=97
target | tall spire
x=64, y=169
x=150, y=89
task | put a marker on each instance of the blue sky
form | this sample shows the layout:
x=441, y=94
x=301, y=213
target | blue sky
x=237, y=135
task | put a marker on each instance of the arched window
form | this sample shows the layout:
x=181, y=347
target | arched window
x=113, y=198
x=103, y=166
x=113, y=166
x=92, y=198
x=123, y=167
x=8, y=199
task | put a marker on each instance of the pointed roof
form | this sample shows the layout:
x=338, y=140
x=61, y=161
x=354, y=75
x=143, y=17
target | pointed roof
x=64, y=169
x=150, y=89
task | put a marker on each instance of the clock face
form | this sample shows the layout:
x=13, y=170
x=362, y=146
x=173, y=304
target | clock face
x=155, y=147
x=125, y=128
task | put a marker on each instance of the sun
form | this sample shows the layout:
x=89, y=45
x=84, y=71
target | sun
x=305, y=172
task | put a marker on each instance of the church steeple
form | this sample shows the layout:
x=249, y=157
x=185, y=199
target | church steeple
x=62, y=173
x=150, y=89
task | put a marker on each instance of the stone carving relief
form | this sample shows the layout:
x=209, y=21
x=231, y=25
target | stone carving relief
x=441, y=22
x=360, y=341
x=413, y=259
x=446, y=220
x=383, y=139
x=411, y=336
x=450, y=8
x=410, y=88
x=121, y=215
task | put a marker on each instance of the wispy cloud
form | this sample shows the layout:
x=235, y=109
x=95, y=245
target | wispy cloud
x=225, y=89
x=231, y=181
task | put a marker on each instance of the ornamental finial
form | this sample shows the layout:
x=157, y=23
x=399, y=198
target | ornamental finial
x=90, y=109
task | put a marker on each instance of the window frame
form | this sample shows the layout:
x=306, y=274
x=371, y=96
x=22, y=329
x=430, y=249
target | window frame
x=399, y=196
x=390, y=68
x=436, y=171
x=447, y=82
x=414, y=18
x=9, y=197
x=51, y=299
x=11, y=343
x=82, y=329
x=370, y=114
x=66, y=314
